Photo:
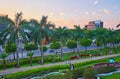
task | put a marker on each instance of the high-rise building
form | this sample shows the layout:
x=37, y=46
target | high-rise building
x=94, y=24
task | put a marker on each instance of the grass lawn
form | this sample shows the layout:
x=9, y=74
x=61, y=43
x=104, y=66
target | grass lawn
x=114, y=76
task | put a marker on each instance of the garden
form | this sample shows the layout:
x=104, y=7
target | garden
x=61, y=68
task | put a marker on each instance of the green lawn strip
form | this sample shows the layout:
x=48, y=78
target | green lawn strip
x=55, y=68
x=113, y=76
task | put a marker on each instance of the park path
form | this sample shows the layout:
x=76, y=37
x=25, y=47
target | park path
x=9, y=71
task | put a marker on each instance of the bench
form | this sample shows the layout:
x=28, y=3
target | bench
x=74, y=57
x=85, y=55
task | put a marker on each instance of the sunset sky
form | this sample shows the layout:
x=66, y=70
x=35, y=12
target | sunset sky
x=65, y=12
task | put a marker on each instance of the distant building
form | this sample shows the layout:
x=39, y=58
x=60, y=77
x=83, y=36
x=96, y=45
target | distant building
x=94, y=24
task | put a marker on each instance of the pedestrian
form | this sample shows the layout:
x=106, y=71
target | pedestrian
x=71, y=66
x=3, y=77
x=111, y=60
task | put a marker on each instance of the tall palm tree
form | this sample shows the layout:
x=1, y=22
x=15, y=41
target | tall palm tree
x=61, y=34
x=112, y=37
x=42, y=30
x=78, y=35
x=14, y=30
x=100, y=36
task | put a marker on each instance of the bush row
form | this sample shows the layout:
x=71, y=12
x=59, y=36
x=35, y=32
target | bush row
x=10, y=64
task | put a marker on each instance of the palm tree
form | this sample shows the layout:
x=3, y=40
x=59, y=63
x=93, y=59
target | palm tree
x=100, y=36
x=77, y=35
x=112, y=37
x=14, y=30
x=30, y=54
x=42, y=30
x=118, y=25
x=3, y=56
x=61, y=34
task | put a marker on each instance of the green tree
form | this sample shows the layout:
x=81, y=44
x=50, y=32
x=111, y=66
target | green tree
x=30, y=47
x=61, y=34
x=55, y=45
x=45, y=48
x=77, y=35
x=71, y=44
x=100, y=37
x=86, y=42
x=112, y=37
x=30, y=55
x=39, y=32
x=11, y=48
x=3, y=56
x=15, y=29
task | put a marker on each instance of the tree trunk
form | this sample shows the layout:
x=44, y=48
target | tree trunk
x=17, y=53
x=42, y=55
x=30, y=61
x=77, y=48
x=56, y=52
x=85, y=48
x=22, y=54
x=101, y=50
x=4, y=64
x=62, y=53
x=14, y=55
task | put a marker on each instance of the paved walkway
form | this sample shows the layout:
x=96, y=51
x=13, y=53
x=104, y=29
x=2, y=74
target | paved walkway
x=9, y=71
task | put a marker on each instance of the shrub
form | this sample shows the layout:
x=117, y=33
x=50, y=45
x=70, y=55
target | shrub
x=71, y=44
x=10, y=48
x=105, y=69
x=76, y=73
x=30, y=47
x=89, y=73
x=55, y=45
x=44, y=48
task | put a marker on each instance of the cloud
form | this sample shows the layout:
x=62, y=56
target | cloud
x=106, y=11
x=95, y=2
x=51, y=14
x=93, y=13
x=61, y=14
x=86, y=13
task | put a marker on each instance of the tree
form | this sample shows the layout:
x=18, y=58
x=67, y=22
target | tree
x=3, y=56
x=15, y=29
x=71, y=44
x=100, y=37
x=30, y=47
x=60, y=34
x=30, y=54
x=118, y=25
x=55, y=45
x=39, y=32
x=112, y=37
x=77, y=35
x=11, y=48
x=45, y=48
x=86, y=42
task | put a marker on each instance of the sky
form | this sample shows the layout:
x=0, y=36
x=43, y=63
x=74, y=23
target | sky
x=65, y=12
